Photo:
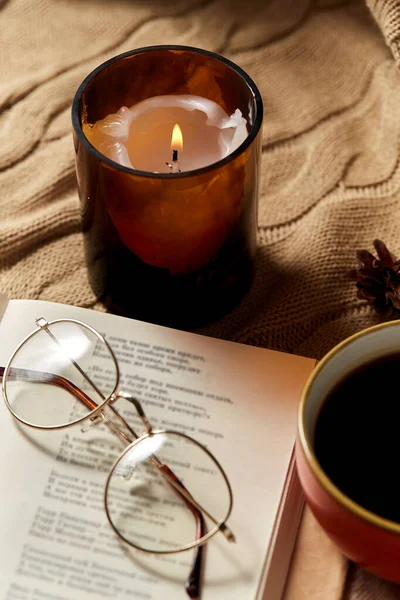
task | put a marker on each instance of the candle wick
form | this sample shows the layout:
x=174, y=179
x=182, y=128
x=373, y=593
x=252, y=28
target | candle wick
x=174, y=166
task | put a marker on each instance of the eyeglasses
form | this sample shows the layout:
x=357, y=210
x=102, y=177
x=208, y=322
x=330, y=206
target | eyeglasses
x=166, y=492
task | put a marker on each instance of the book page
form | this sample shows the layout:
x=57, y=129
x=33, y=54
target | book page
x=239, y=401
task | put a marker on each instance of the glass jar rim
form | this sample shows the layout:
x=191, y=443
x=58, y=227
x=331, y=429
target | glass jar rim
x=255, y=127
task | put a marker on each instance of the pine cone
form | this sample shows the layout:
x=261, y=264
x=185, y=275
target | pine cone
x=378, y=279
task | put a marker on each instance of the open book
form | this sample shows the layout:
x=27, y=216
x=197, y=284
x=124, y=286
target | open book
x=239, y=401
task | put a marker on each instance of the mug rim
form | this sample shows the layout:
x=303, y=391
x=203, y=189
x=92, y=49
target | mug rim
x=340, y=497
x=252, y=134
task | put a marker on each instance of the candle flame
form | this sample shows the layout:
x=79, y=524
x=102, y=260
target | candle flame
x=177, y=138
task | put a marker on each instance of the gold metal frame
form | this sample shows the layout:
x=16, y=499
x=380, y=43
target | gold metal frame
x=96, y=416
x=308, y=450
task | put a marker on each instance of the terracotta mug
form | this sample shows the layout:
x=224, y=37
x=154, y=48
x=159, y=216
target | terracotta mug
x=368, y=539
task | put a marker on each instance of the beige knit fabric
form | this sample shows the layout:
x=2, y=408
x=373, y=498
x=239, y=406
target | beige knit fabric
x=330, y=168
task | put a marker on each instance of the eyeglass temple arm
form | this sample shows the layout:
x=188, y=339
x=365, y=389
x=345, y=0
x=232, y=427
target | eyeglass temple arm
x=42, y=377
x=193, y=581
x=62, y=382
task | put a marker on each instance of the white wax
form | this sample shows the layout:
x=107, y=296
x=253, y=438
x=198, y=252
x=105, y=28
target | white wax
x=140, y=137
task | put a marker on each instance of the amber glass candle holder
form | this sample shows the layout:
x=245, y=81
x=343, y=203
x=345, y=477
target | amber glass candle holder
x=169, y=248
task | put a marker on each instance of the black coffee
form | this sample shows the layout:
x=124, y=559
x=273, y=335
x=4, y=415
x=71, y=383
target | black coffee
x=357, y=436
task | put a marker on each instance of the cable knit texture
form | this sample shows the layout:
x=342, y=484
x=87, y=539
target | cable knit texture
x=329, y=75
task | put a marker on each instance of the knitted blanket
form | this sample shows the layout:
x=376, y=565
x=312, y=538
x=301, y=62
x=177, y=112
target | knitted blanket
x=329, y=75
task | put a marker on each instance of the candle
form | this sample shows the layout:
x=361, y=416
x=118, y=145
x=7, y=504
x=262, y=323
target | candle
x=140, y=137
x=168, y=146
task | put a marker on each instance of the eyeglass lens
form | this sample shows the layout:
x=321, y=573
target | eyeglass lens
x=146, y=510
x=50, y=366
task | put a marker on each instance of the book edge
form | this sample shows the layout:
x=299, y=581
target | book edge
x=283, y=537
